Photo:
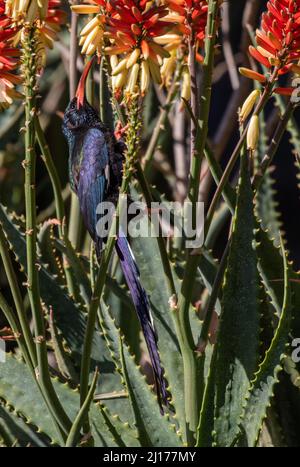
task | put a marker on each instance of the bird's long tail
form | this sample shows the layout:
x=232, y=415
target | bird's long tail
x=142, y=306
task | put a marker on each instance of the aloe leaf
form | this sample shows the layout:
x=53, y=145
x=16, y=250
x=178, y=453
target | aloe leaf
x=154, y=428
x=151, y=407
x=235, y=355
x=19, y=390
x=68, y=317
x=238, y=338
x=122, y=433
x=63, y=360
x=46, y=251
x=78, y=269
x=19, y=432
x=262, y=387
x=266, y=205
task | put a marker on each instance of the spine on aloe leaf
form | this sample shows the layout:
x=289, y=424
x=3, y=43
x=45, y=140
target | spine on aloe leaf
x=95, y=171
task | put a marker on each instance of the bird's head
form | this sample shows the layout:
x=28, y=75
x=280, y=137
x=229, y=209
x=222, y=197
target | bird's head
x=80, y=115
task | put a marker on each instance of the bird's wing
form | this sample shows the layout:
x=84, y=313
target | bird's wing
x=75, y=148
x=93, y=179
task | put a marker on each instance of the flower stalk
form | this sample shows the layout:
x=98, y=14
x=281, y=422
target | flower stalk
x=42, y=371
x=191, y=380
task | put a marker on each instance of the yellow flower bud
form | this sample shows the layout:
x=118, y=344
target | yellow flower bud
x=145, y=76
x=133, y=77
x=186, y=86
x=248, y=105
x=119, y=80
x=133, y=58
x=122, y=65
x=253, y=133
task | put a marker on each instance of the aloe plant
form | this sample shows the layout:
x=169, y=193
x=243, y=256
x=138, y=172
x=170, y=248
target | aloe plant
x=147, y=342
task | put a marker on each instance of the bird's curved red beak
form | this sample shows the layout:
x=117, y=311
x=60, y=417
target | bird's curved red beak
x=80, y=93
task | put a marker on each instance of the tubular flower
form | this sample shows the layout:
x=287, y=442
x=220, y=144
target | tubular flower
x=192, y=17
x=27, y=11
x=92, y=35
x=45, y=15
x=137, y=56
x=278, y=40
x=9, y=61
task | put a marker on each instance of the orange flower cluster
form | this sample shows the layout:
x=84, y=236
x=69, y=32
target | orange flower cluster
x=192, y=17
x=46, y=16
x=142, y=37
x=131, y=28
x=278, y=41
x=51, y=24
x=133, y=31
x=9, y=61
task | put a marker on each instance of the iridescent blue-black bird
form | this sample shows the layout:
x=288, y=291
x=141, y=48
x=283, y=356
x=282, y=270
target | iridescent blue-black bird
x=95, y=167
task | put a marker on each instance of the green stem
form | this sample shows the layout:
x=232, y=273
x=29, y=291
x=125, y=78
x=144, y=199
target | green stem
x=42, y=371
x=214, y=295
x=106, y=113
x=80, y=418
x=75, y=224
x=16, y=293
x=55, y=181
x=205, y=99
x=191, y=380
x=59, y=206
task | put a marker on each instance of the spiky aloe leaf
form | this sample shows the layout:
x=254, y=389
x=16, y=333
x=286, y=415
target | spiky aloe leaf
x=122, y=433
x=271, y=268
x=262, y=387
x=154, y=428
x=272, y=273
x=208, y=269
x=265, y=203
x=147, y=399
x=64, y=362
x=16, y=431
x=235, y=355
x=18, y=390
x=46, y=250
x=292, y=126
x=266, y=207
x=69, y=318
x=78, y=269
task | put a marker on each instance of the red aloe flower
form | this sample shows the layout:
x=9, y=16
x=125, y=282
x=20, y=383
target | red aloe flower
x=133, y=30
x=278, y=40
x=49, y=26
x=92, y=35
x=9, y=61
x=192, y=16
